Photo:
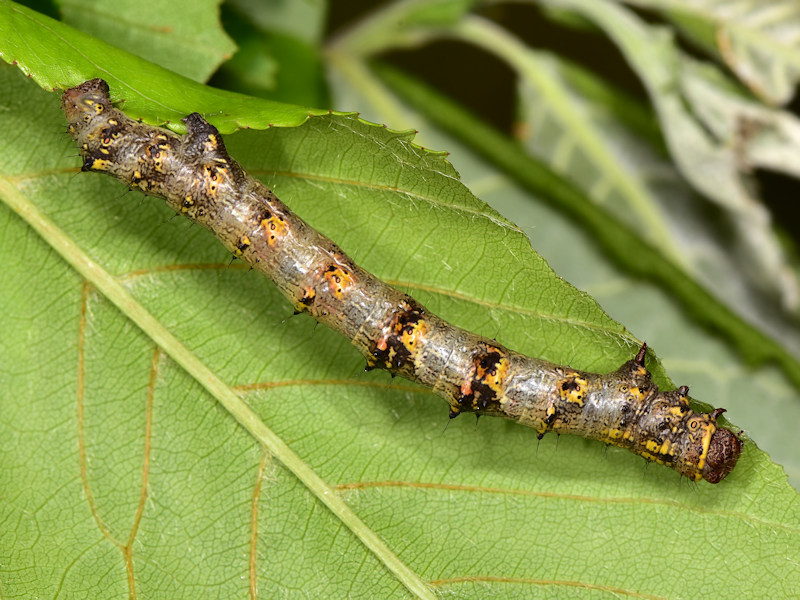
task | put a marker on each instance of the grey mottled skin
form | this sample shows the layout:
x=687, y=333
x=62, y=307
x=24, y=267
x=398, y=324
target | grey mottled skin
x=197, y=178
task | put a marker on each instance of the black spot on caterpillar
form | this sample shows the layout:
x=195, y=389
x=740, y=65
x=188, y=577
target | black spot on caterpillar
x=198, y=179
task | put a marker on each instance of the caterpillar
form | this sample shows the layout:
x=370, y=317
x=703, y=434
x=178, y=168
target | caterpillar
x=196, y=176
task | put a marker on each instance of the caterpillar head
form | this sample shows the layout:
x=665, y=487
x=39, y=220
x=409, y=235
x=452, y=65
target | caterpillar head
x=723, y=452
x=709, y=452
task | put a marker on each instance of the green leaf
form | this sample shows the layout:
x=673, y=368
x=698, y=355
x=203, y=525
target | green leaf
x=764, y=137
x=121, y=472
x=186, y=38
x=399, y=23
x=150, y=92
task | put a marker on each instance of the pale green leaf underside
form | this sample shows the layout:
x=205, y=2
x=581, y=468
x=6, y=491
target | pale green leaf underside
x=759, y=40
x=711, y=166
x=472, y=511
x=621, y=173
x=580, y=151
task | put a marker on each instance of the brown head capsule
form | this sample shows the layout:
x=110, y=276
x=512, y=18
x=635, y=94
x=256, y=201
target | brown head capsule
x=711, y=452
x=723, y=452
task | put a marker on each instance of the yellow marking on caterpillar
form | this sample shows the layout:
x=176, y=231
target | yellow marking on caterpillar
x=667, y=448
x=701, y=462
x=635, y=394
x=212, y=143
x=276, y=228
x=495, y=376
x=244, y=242
x=410, y=339
x=571, y=389
x=307, y=300
x=100, y=164
x=615, y=434
x=338, y=280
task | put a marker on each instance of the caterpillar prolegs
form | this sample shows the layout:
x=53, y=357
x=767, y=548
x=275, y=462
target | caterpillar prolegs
x=198, y=179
